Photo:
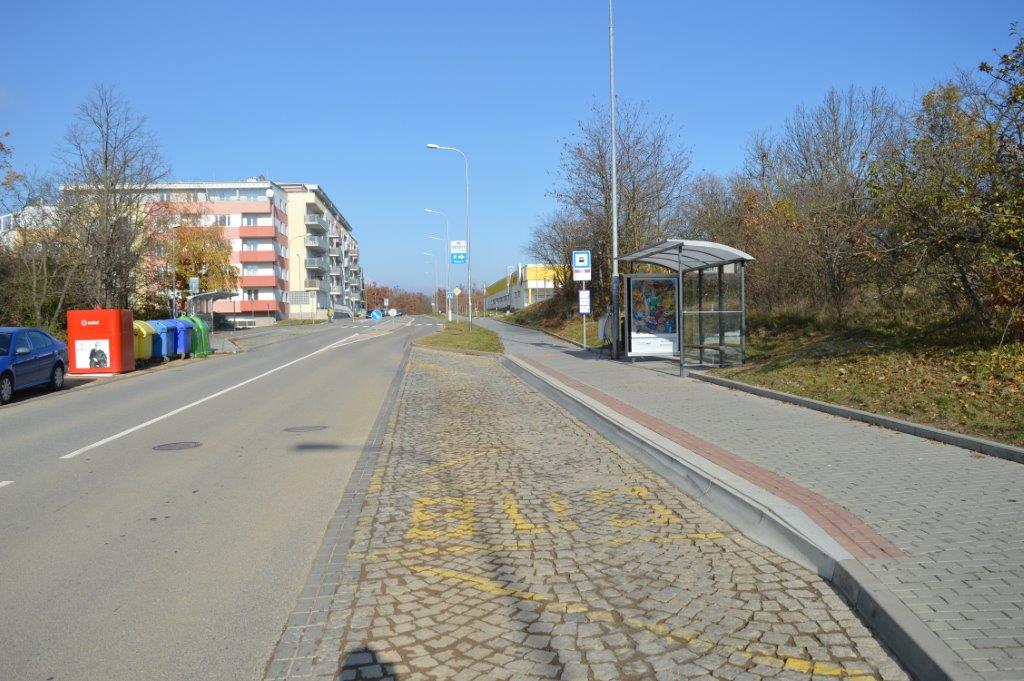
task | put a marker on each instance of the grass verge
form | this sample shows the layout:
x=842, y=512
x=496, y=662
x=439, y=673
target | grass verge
x=457, y=336
x=939, y=376
x=551, y=317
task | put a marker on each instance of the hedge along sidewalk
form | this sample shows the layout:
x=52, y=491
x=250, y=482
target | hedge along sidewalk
x=953, y=516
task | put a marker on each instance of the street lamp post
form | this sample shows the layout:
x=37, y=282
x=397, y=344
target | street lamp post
x=615, y=189
x=447, y=261
x=469, y=246
x=433, y=294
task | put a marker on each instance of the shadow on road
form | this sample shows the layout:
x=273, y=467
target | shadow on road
x=318, y=446
x=366, y=664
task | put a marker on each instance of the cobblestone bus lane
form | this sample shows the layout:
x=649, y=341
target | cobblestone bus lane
x=502, y=539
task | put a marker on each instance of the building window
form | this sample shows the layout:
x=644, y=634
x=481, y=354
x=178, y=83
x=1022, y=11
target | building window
x=251, y=294
x=250, y=220
x=222, y=220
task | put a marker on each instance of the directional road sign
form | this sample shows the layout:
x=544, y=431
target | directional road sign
x=458, y=249
x=448, y=295
x=376, y=315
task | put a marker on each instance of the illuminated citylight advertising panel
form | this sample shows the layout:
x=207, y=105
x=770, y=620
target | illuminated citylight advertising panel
x=653, y=315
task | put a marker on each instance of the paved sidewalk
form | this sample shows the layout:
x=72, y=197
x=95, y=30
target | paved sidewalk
x=941, y=526
x=502, y=539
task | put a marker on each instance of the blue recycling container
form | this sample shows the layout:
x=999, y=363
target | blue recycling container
x=182, y=336
x=189, y=334
x=164, y=340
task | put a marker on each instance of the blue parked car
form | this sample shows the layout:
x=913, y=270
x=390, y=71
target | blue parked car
x=30, y=357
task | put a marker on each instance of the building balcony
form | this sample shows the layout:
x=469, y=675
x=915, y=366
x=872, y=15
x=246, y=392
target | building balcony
x=319, y=264
x=317, y=285
x=316, y=222
x=334, y=252
x=260, y=281
x=259, y=306
x=335, y=290
x=318, y=243
x=257, y=256
x=335, y=271
x=257, y=231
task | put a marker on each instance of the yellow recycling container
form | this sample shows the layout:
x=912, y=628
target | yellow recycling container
x=144, y=333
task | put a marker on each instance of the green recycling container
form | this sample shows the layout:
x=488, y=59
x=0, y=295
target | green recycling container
x=200, y=335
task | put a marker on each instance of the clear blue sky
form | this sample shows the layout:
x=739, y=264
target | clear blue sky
x=346, y=94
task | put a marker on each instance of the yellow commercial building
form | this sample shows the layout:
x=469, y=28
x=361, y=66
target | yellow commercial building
x=524, y=285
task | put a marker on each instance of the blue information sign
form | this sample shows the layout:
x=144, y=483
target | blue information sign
x=449, y=295
x=458, y=258
x=376, y=315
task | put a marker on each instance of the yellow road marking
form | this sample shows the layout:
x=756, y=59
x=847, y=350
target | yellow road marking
x=422, y=516
x=519, y=521
x=452, y=462
x=681, y=635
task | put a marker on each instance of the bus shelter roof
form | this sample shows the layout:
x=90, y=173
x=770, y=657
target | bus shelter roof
x=690, y=255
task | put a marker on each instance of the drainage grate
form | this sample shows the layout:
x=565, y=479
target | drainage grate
x=175, y=446
x=304, y=429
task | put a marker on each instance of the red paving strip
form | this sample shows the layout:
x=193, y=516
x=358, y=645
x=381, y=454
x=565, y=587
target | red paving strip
x=852, y=533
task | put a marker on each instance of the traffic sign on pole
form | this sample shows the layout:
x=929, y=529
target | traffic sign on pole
x=584, y=302
x=376, y=315
x=581, y=266
x=458, y=250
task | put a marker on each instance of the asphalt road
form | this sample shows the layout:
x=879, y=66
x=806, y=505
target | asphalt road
x=118, y=561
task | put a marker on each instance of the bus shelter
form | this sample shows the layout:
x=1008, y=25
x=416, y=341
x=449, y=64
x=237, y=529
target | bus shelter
x=696, y=311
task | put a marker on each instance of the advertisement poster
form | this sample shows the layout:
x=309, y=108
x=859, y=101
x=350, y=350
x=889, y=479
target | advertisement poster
x=94, y=354
x=652, y=319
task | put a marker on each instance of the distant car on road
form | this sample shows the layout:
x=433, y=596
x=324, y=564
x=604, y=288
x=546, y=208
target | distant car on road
x=30, y=357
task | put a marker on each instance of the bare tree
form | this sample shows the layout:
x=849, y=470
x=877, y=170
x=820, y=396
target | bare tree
x=44, y=256
x=111, y=162
x=652, y=171
x=815, y=178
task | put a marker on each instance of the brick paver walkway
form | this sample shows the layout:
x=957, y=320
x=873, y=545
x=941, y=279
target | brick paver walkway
x=955, y=517
x=502, y=539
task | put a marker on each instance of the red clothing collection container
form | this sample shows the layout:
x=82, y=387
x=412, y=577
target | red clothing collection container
x=100, y=341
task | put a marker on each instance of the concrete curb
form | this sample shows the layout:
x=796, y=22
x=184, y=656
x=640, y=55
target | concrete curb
x=478, y=353
x=976, y=444
x=768, y=520
x=329, y=568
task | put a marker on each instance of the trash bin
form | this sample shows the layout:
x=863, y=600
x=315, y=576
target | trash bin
x=100, y=341
x=182, y=336
x=200, y=335
x=163, y=339
x=143, y=340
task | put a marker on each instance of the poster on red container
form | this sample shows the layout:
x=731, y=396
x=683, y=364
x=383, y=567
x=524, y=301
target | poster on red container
x=653, y=319
x=94, y=354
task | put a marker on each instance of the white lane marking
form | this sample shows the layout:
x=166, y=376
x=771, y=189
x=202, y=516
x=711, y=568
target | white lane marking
x=99, y=443
x=4, y=483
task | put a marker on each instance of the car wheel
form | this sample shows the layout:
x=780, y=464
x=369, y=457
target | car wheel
x=6, y=388
x=57, y=377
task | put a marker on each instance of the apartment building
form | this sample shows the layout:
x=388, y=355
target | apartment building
x=324, y=252
x=287, y=242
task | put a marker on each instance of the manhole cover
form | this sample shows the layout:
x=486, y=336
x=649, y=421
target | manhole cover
x=304, y=429
x=175, y=446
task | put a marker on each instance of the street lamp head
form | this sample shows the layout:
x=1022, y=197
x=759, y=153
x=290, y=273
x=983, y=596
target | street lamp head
x=430, y=254
x=433, y=146
x=435, y=238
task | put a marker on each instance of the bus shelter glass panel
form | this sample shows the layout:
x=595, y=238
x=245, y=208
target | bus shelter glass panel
x=653, y=315
x=713, y=316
